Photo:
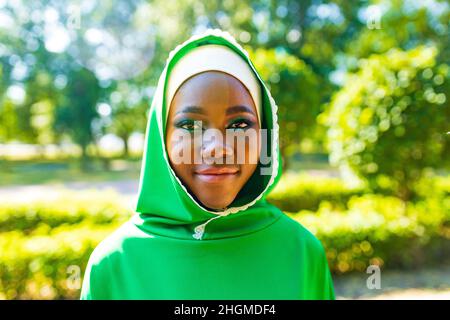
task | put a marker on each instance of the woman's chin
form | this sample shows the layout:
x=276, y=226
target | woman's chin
x=214, y=204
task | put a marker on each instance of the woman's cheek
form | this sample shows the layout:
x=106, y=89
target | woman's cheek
x=247, y=147
x=254, y=149
x=180, y=147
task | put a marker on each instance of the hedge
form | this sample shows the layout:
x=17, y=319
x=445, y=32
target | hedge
x=39, y=241
x=305, y=192
x=68, y=208
x=297, y=192
x=382, y=230
x=38, y=266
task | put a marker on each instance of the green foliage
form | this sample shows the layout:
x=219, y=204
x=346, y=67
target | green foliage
x=66, y=170
x=296, y=90
x=389, y=121
x=128, y=114
x=404, y=26
x=387, y=124
x=78, y=111
x=297, y=46
x=297, y=192
x=42, y=241
x=94, y=207
x=9, y=121
x=385, y=231
x=37, y=266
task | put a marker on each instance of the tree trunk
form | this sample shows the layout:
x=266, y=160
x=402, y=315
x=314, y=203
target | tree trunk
x=125, y=146
x=285, y=159
x=84, y=161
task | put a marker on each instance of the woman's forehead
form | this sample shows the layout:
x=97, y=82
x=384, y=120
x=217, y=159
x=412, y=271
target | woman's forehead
x=213, y=79
x=212, y=87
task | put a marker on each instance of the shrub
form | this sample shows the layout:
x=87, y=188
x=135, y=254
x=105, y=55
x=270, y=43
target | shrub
x=41, y=240
x=370, y=229
x=37, y=266
x=67, y=208
x=382, y=230
x=286, y=75
x=389, y=122
x=297, y=192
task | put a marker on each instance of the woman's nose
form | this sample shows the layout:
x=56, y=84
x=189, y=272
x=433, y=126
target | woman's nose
x=216, y=149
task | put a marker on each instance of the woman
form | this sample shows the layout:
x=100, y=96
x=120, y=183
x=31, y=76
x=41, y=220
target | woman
x=203, y=229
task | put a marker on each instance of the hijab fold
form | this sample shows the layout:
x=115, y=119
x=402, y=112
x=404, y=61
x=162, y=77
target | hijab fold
x=164, y=204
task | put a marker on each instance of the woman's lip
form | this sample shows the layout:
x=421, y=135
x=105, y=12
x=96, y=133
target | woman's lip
x=217, y=171
x=216, y=174
x=214, y=178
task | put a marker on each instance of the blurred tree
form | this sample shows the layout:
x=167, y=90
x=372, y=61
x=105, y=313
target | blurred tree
x=40, y=105
x=389, y=122
x=39, y=48
x=129, y=106
x=8, y=115
x=78, y=108
x=296, y=90
x=8, y=120
x=401, y=23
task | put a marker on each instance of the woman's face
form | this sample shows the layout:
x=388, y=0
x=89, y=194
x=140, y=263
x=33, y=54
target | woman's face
x=204, y=113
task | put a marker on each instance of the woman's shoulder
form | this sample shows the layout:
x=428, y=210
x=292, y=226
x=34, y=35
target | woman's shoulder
x=113, y=245
x=302, y=236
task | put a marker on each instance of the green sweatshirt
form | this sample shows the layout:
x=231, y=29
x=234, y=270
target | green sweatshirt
x=174, y=248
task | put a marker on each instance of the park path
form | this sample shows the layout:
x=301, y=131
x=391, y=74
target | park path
x=414, y=294
x=422, y=284
x=125, y=188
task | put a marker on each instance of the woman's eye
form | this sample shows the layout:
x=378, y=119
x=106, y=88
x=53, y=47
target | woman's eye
x=188, y=125
x=240, y=125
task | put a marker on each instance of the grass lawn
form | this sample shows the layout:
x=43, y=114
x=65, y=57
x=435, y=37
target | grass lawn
x=32, y=172
x=54, y=171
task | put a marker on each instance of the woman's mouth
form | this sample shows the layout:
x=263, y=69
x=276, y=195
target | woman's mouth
x=216, y=174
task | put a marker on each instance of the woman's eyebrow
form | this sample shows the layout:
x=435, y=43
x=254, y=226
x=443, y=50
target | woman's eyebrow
x=192, y=109
x=237, y=109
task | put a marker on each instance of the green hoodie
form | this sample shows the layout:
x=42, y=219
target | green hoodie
x=174, y=248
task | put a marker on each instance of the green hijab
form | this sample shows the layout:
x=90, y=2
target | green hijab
x=175, y=248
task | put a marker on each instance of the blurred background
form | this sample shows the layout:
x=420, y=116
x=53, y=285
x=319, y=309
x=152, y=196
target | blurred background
x=363, y=92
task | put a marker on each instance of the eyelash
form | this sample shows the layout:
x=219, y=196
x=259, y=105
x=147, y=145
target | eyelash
x=247, y=122
x=183, y=123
